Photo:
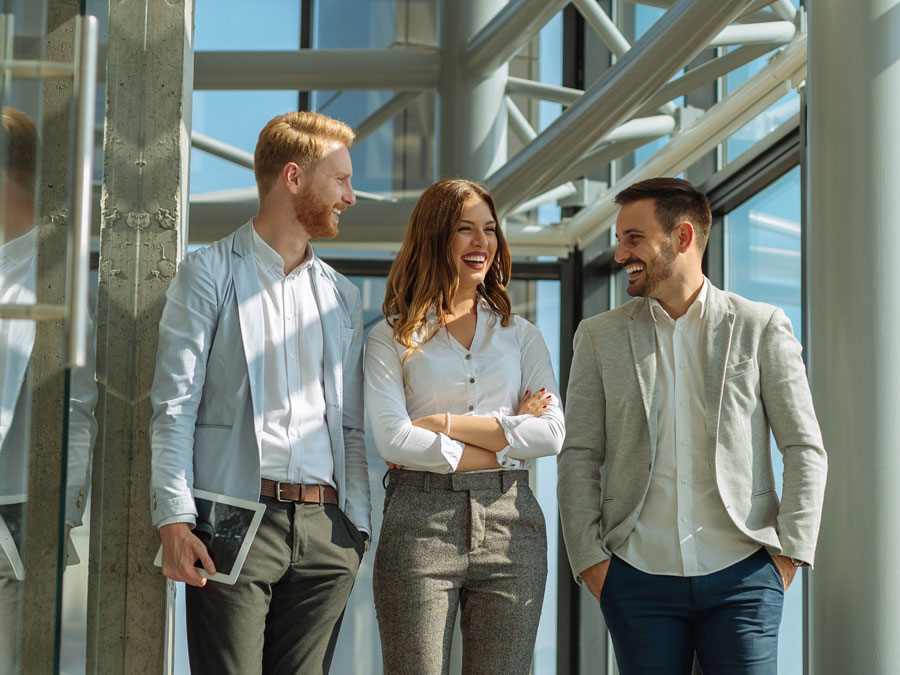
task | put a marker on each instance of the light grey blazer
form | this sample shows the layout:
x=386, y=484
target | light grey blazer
x=208, y=389
x=755, y=381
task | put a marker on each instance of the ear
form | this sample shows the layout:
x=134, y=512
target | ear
x=685, y=233
x=293, y=177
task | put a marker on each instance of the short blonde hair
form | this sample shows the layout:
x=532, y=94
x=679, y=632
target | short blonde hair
x=18, y=157
x=300, y=137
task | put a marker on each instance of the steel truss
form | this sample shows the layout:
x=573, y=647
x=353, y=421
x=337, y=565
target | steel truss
x=630, y=105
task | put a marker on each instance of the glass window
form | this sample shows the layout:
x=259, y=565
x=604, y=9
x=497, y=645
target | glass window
x=762, y=262
x=233, y=25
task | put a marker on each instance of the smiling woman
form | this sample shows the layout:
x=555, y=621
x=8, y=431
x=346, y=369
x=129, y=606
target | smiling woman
x=461, y=398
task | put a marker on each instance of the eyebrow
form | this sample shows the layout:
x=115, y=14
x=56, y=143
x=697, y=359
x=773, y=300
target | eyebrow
x=486, y=222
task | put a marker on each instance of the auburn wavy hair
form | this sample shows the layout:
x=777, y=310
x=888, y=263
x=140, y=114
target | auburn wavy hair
x=424, y=275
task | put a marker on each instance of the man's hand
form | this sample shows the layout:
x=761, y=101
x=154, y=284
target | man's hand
x=785, y=568
x=181, y=549
x=595, y=576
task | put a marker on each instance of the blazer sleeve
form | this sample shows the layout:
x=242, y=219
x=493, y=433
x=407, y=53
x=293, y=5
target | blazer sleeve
x=186, y=332
x=582, y=456
x=788, y=403
x=358, y=507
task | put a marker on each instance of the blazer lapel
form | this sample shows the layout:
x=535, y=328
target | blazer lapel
x=332, y=330
x=643, y=347
x=250, y=313
x=719, y=327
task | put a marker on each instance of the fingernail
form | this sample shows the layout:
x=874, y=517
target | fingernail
x=543, y=389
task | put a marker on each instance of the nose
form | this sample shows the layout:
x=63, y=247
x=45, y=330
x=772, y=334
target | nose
x=621, y=255
x=480, y=238
x=349, y=196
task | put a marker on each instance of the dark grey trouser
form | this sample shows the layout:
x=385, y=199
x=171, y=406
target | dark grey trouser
x=472, y=539
x=284, y=613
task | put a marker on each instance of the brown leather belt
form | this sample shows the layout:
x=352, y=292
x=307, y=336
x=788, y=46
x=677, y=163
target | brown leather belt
x=297, y=492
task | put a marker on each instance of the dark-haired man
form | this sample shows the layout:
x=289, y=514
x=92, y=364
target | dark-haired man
x=258, y=395
x=686, y=545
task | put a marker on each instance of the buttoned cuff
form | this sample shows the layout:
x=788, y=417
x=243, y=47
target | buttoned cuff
x=507, y=462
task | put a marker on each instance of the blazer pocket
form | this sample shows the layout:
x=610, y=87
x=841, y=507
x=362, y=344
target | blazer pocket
x=227, y=427
x=740, y=368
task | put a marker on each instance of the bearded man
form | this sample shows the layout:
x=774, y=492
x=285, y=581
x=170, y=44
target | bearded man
x=687, y=546
x=258, y=395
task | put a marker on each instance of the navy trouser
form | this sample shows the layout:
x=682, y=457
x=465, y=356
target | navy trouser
x=730, y=618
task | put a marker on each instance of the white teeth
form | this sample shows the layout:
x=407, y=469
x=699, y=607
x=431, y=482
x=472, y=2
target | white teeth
x=475, y=258
x=631, y=269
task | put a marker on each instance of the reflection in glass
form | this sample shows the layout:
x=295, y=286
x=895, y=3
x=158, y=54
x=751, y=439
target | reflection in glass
x=18, y=282
x=762, y=262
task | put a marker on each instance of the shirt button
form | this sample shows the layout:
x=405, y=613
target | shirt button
x=468, y=356
x=471, y=408
x=683, y=404
x=681, y=365
x=684, y=441
x=291, y=355
x=683, y=519
x=680, y=328
x=471, y=380
x=684, y=480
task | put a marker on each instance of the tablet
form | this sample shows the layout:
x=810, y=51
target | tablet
x=227, y=526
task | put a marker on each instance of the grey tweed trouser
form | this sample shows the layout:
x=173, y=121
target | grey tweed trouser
x=476, y=540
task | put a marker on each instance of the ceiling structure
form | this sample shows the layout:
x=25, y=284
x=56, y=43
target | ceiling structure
x=629, y=105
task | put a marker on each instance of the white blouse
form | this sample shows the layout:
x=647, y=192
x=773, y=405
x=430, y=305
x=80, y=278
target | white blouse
x=488, y=380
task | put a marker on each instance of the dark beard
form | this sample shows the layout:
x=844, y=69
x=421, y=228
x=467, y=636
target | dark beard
x=314, y=215
x=656, y=271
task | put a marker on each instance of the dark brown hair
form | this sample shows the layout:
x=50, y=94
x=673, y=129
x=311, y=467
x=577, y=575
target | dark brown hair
x=677, y=201
x=424, y=275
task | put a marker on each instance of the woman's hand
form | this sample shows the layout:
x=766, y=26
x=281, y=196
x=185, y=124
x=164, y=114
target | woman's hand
x=535, y=404
x=391, y=465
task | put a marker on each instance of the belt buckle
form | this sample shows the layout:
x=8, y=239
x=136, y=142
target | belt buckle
x=278, y=493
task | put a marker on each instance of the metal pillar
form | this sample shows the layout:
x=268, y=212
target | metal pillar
x=142, y=235
x=854, y=169
x=472, y=130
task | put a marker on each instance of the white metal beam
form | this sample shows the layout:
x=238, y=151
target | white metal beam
x=385, y=113
x=662, y=51
x=221, y=149
x=543, y=91
x=402, y=69
x=612, y=37
x=704, y=74
x=769, y=33
x=504, y=35
x=786, y=69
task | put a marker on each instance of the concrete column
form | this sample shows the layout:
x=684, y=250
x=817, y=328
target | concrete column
x=46, y=473
x=854, y=202
x=472, y=118
x=143, y=234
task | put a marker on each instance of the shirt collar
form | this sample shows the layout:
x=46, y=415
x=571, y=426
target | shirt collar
x=269, y=258
x=696, y=310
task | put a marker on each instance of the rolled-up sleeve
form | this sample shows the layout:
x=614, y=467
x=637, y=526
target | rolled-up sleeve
x=528, y=436
x=396, y=439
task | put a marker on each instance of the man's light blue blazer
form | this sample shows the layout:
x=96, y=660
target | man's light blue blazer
x=208, y=388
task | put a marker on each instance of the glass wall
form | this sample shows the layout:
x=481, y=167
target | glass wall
x=762, y=262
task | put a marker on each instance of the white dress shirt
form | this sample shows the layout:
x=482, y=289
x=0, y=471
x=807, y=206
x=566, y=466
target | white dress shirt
x=17, y=279
x=683, y=528
x=296, y=445
x=488, y=379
